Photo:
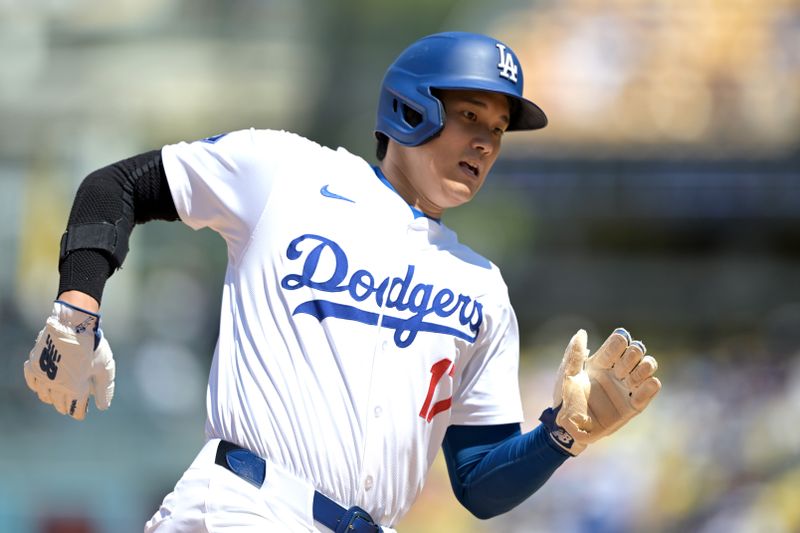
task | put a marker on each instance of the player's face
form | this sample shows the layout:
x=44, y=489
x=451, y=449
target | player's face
x=448, y=170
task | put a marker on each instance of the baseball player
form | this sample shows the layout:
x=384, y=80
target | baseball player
x=357, y=335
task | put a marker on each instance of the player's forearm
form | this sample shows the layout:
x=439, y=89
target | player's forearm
x=491, y=480
x=109, y=202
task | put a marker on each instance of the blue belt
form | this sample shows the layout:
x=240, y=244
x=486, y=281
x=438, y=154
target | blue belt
x=252, y=468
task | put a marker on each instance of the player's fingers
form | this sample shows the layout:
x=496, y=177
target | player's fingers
x=103, y=385
x=43, y=392
x=646, y=368
x=60, y=402
x=611, y=350
x=30, y=377
x=630, y=358
x=575, y=354
x=78, y=407
x=641, y=397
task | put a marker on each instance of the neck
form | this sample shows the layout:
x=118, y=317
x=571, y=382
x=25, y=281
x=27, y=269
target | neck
x=397, y=175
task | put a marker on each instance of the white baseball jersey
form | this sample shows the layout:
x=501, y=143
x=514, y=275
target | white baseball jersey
x=352, y=333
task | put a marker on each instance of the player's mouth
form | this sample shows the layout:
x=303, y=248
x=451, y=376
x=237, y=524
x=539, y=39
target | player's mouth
x=471, y=169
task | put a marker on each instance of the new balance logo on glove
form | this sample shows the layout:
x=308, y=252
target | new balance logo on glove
x=49, y=358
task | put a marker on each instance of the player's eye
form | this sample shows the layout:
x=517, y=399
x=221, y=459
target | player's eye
x=499, y=132
x=470, y=115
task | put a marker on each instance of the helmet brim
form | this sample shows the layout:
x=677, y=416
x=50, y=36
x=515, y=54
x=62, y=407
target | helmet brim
x=529, y=116
x=526, y=116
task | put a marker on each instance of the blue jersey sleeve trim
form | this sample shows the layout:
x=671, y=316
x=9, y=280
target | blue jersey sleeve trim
x=495, y=468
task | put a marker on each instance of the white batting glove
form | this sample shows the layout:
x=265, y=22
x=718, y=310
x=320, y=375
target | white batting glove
x=594, y=397
x=70, y=361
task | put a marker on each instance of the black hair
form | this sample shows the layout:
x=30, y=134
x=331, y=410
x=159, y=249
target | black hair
x=383, y=145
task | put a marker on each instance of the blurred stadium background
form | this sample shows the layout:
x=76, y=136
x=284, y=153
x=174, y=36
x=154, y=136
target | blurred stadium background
x=664, y=196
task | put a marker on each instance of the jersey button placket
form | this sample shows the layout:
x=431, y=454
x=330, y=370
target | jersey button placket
x=374, y=430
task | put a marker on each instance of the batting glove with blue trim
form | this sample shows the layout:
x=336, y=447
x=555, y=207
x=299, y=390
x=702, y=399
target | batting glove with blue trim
x=70, y=361
x=596, y=396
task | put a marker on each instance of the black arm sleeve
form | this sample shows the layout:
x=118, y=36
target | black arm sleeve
x=113, y=198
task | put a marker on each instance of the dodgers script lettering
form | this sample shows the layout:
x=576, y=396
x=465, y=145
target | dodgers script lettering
x=414, y=301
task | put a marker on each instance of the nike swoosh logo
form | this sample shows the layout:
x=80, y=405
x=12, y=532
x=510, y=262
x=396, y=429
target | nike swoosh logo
x=325, y=192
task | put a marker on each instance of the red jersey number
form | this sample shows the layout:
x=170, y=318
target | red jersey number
x=438, y=371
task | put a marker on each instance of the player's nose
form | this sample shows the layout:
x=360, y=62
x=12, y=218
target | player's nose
x=483, y=142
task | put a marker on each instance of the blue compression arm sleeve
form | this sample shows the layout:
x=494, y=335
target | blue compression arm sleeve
x=495, y=468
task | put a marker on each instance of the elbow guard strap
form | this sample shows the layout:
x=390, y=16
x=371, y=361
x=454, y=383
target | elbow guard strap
x=111, y=238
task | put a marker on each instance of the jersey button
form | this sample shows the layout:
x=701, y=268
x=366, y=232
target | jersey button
x=368, y=483
x=378, y=411
x=384, y=345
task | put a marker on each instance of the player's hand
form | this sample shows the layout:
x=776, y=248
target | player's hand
x=594, y=397
x=70, y=361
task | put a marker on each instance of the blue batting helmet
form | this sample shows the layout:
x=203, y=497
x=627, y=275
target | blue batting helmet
x=451, y=60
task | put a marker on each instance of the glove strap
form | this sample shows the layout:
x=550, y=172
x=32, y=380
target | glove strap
x=557, y=433
x=76, y=308
x=80, y=320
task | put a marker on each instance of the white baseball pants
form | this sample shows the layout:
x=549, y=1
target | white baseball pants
x=210, y=499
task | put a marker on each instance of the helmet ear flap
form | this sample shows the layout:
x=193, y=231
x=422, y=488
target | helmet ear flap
x=411, y=116
x=411, y=122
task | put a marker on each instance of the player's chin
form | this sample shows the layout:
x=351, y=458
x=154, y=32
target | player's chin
x=458, y=192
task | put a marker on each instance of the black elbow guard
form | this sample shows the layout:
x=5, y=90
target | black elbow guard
x=102, y=216
x=111, y=200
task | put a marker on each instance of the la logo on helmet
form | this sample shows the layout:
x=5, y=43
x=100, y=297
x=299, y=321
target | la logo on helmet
x=508, y=69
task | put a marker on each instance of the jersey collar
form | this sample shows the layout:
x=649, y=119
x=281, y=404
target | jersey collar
x=416, y=212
